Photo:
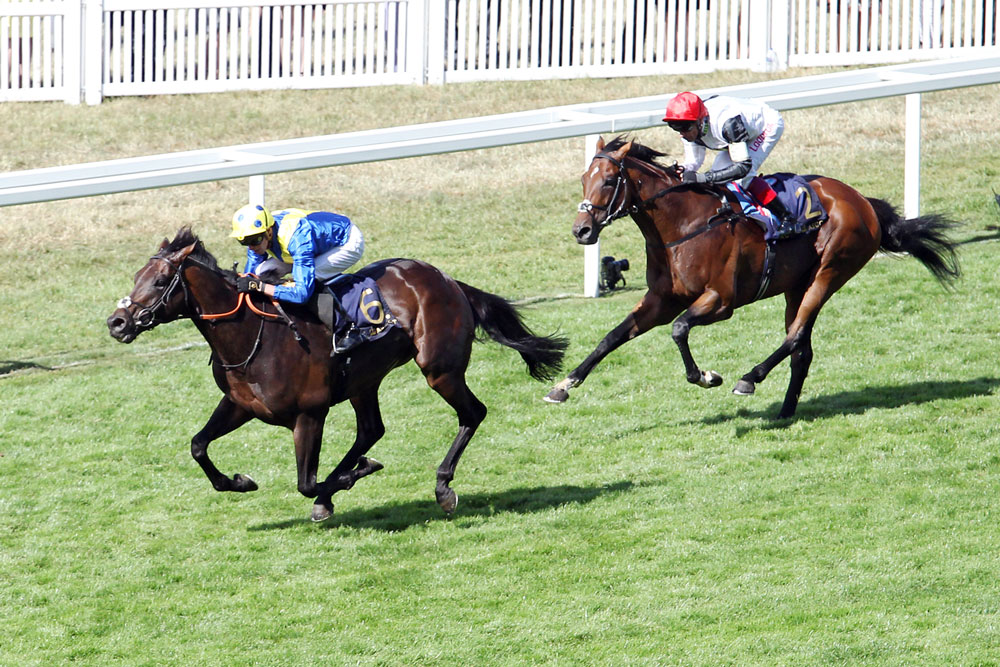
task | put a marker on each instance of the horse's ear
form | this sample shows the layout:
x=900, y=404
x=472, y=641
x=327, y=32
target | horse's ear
x=600, y=143
x=625, y=149
x=164, y=244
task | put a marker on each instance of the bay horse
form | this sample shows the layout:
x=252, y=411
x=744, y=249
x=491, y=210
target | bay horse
x=281, y=372
x=699, y=271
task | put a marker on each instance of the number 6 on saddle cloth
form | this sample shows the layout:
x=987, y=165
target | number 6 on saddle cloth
x=354, y=304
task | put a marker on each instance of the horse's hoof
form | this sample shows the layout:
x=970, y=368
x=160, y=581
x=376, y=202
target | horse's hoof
x=744, y=388
x=244, y=483
x=709, y=379
x=371, y=464
x=448, y=500
x=557, y=395
x=322, y=511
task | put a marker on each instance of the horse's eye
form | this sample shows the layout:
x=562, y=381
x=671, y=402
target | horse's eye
x=161, y=281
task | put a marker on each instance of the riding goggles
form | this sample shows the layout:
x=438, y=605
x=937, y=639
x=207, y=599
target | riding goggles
x=681, y=125
x=251, y=240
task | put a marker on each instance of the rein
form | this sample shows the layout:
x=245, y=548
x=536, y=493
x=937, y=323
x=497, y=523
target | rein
x=240, y=301
x=714, y=222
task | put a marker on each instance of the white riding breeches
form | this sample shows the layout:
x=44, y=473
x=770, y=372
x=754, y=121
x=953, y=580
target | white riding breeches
x=329, y=264
x=336, y=259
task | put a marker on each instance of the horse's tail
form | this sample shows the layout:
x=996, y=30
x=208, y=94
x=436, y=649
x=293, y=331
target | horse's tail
x=501, y=320
x=925, y=238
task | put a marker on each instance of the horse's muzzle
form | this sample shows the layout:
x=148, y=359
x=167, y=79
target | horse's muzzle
x=122, y=327
x=586, y=230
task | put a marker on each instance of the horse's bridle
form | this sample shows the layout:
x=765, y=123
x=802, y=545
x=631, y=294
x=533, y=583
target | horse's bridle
x=145, y=317
x=588, y=207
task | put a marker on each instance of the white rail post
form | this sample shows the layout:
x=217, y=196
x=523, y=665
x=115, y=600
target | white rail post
x=72, y=64
x=92, y=61
x=911, y=171
x=778, y=41
x=591, y=253
x=256, y=194
x=435, y=38
x=761, y=57
x=417, y=44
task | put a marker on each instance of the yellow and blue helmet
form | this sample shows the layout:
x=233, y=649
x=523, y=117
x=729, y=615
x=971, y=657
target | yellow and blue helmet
x=250, y=220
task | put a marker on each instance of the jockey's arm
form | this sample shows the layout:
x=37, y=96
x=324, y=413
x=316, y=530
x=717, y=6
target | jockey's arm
x=694, y=156
x=302, y=250
x=734, y=132
x=253, y=261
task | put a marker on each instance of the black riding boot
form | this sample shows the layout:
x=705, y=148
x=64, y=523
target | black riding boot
x=349, y=335
x=787, y=224
x=347, y=339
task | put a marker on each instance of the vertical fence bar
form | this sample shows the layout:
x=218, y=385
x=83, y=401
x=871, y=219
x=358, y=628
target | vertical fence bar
x=257, y=191
x=328, y=39
x=911, y=196
x=591, y=253
x=5, y=25
x=147, y=26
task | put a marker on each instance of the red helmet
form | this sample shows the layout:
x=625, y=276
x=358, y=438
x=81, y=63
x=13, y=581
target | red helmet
x=685, y=106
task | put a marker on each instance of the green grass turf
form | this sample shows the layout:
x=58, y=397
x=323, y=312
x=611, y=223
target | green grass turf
x=646, y=521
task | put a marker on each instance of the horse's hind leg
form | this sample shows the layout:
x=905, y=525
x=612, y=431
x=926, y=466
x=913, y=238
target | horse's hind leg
x=226, y=418
x=471, y=412
x=747, y=384
x=801, y=310
x=354, y=465
x=801, y=360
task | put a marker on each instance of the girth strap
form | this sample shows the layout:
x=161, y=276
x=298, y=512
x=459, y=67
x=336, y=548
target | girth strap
x=767, y=272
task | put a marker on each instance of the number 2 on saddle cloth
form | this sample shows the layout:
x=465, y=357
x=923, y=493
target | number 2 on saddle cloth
x=792, y=191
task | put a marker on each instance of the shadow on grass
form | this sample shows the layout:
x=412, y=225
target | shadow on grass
x=995, y=236
x=860, y=401
x=8, y=367
x=401, y=516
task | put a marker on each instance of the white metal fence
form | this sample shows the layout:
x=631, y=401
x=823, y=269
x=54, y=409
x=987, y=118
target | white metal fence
x=73, y=49
x=615, y=116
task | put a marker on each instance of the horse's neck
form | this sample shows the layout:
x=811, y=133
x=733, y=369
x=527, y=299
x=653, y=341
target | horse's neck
x=675, y=214
x=653, y=191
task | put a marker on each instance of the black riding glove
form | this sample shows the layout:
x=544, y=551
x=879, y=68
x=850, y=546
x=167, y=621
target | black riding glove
x=249, y=283
x=693, y=177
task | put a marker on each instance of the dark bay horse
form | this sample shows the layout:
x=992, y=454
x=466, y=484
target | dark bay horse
x=285, y=376
x=700, y=272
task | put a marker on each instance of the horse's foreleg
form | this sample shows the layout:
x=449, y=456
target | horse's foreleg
x=355, y=464
x=471, y=413
x=708, y=308
x=650, y=312
x=226, y=418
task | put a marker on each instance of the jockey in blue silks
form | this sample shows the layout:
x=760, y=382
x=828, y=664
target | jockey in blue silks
x=312, y=245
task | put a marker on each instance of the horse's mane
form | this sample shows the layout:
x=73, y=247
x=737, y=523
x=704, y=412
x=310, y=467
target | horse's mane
x=186, y=237
x=638, y=152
